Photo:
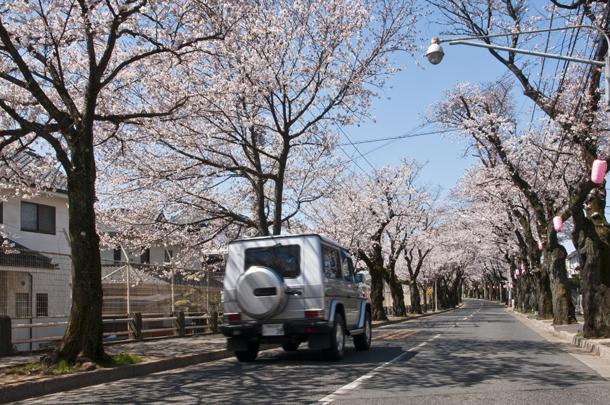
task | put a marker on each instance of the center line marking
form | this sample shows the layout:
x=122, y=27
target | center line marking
x=356, y=383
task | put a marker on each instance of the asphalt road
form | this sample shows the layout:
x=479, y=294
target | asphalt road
x=478, y=354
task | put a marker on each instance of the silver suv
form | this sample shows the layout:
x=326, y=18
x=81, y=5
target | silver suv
x=290, y=290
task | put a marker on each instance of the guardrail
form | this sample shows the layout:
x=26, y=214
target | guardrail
x=137, y=326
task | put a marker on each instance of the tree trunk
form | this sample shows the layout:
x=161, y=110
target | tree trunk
x=563, y=308
x=592, y=239
x=261, y=217
x=454, y=295
x=442, y=295
x=415, y=297
x=278, y=197
x=526, y=298
x=426, y=298
x=596, y=293
x=377, y=294
x=531, y=294
x=398, y=296
x=543, y=293
x=84, y=333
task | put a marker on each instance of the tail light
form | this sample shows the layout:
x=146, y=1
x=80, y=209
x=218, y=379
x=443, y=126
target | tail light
x=233, y=317
x=313, y=313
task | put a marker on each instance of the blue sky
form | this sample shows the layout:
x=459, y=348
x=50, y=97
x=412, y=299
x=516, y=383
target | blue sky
x=408, y=97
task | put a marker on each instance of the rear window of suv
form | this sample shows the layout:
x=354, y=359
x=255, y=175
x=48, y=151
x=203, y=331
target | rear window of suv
x=286, y=259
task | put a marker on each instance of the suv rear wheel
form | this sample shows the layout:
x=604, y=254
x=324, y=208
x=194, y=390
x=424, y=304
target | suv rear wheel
x=249, y=354
x=337, y=340
x=363, y=341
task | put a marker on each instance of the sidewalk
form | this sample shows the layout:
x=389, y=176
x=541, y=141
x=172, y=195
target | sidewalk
x=157, y=355
x=150, y=350
x=570, y=334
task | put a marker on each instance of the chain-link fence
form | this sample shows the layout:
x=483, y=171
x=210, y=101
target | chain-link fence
x=36, y=290
x=154, y=289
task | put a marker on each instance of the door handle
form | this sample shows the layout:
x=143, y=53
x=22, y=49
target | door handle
x=291, y=291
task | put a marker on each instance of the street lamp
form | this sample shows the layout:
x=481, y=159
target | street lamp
x=435, y=51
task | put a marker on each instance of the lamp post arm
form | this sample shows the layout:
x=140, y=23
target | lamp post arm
x=526, y=52
x=605, y=64
x=509, y=34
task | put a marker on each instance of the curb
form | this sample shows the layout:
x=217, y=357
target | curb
x=592, y=346
x=412, y=318
x=595, y=347
x=31, y=389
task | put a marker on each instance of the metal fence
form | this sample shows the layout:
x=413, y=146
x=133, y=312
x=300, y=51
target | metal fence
x=149, y=288
x=140, y=300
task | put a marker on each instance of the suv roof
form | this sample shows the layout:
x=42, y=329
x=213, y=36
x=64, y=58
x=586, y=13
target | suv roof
x=329, y=241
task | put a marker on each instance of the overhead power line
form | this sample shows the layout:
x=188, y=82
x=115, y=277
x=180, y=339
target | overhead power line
x=353, y=145
x=394, y=138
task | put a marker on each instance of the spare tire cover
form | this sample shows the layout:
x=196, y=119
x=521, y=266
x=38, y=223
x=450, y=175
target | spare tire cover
x=260, y=292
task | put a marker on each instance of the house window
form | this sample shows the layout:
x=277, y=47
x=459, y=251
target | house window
x=37, y=218
x=42, y=304
x=168, y=255
x=22, y=305
x=145, y=256
x=116, y=254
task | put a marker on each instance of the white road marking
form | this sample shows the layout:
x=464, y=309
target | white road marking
x=356, y=383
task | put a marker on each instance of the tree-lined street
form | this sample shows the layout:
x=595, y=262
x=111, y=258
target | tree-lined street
x=188, y=128
x=478, y=354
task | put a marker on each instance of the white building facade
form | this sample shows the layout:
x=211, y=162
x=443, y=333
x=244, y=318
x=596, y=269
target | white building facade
x=35, y=275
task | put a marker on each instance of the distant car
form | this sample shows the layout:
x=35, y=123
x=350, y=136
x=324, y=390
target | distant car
x=291, y=290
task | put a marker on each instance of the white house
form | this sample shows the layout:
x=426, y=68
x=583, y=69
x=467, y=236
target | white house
x=34, y=262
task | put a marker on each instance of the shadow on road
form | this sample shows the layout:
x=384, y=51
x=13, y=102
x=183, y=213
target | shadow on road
x=485, y=351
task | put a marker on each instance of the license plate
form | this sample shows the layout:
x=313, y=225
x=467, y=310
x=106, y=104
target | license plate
x=273, y=329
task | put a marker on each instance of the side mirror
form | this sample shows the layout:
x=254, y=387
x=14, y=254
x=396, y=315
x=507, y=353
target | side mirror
x=359, y=278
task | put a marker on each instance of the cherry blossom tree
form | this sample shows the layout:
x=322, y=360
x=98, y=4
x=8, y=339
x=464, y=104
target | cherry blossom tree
x=370, y=214
x=259, y=138
x=572, y=100
x=77, y=75
x=485, y=114
x=411, y=240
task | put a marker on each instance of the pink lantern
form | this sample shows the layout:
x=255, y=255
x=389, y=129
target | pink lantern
x=598, y=171
x=557, y=223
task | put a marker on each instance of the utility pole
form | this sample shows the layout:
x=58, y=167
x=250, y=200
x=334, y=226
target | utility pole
x=510, y=290
x=435, y=298
x=127, y=279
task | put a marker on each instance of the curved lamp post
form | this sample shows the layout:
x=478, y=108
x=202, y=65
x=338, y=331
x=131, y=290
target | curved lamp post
x=435, y=52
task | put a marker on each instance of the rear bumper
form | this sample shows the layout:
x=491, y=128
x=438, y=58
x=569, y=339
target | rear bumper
x=298, y=328
x=315, y=332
